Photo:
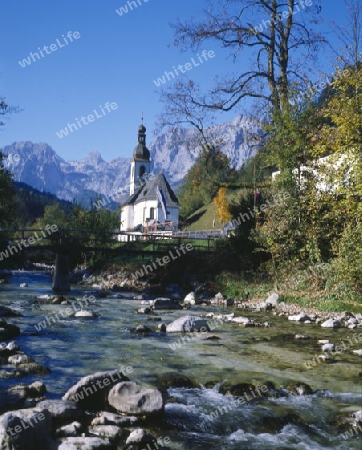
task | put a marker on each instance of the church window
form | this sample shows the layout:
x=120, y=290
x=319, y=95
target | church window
x=152, y=213
x=142, y=171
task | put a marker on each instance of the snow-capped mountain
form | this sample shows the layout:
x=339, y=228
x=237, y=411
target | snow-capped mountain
x=173, y=153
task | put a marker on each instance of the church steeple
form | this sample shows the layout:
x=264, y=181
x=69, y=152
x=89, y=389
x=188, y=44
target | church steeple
x=140, y=166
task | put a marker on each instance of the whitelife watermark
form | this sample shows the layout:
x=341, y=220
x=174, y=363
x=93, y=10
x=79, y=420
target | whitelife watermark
x=50, y=229
x=183, y=68
x=284, y=15
x=244, y=216
x=68, y=312
x=71, y=127
x=129, y=6
x=108, y=199
x=149, y=268
x=86, y=391
x=235, y=403
x=318, y=87
x=25, y=425
x=48, y=49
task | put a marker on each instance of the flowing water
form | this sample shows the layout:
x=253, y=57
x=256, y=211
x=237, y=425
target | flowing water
x=199, y=418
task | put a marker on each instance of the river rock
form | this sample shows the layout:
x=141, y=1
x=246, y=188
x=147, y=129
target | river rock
x=165, y=303
x=27, y=364
x=87, y=392
x=143, y=329
x=190, y=298
x=8, y=331
x=60, y=409
x=328, y=348
x=272, y=300
x=111, y=432
x=300, y=389
x=108, y=418
x=131, y=398
x=138, y=437
x=358, y=352
x=331, y=323
x=301, y=317
x=187, y=324
x=30, y=430
x=144, y=311
x=241, y=321
x=85, y=314
x=84, y=443
x=71, y=430
x=8, y=312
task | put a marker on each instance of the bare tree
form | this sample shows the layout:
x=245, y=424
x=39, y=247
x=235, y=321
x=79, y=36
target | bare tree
x=281, y=45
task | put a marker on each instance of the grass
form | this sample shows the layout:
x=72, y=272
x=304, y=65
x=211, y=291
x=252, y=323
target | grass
x=308, y=294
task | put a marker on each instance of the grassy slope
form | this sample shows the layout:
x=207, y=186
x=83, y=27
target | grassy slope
x=202, y=219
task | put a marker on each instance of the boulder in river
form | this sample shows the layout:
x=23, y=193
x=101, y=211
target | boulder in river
x=91, y=392
x=165, y=303
x=8, y=331
x=190, y=298
x=85, y=314
x=301, y=317
x=84, y=443
x=187, y=324
x=331, y=323
x=61, y=409
x=140, y=437
x=131, y=398
x=26, y=429
x=8, y=312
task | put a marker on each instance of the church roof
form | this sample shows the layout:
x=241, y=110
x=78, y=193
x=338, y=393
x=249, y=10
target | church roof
x=148, y=191
x=141, y=152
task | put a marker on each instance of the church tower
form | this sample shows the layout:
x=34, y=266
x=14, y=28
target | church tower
x=141, y=164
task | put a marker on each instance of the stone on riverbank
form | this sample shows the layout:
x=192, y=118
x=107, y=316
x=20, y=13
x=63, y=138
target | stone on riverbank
x=187, y=324
x=131, y=398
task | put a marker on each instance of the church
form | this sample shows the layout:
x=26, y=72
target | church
x=152, y=204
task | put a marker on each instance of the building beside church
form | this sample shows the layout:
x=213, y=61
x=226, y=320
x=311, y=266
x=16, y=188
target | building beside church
x=152, y=204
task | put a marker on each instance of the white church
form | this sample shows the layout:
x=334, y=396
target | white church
x=152, y=205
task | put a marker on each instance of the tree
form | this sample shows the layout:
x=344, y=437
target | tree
x=7, y=196
x=222, y=206
x=211, y=168
x=274, y=45
x=6, y=109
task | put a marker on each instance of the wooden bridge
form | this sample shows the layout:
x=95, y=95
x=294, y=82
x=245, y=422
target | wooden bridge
x=65, y=241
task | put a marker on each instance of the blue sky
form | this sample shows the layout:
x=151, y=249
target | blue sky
x=115, y=59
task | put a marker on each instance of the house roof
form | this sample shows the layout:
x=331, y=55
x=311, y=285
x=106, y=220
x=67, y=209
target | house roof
x=148, y=191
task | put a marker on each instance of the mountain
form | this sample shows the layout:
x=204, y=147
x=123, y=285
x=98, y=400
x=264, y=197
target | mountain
x=173, y=152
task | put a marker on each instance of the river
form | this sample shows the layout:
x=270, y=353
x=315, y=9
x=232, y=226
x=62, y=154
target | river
x=73, y=348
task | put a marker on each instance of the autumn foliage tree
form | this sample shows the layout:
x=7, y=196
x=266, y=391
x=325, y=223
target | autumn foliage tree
x=222, y=206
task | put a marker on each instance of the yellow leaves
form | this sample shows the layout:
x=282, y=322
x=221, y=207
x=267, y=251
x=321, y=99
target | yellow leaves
x=222, y=207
